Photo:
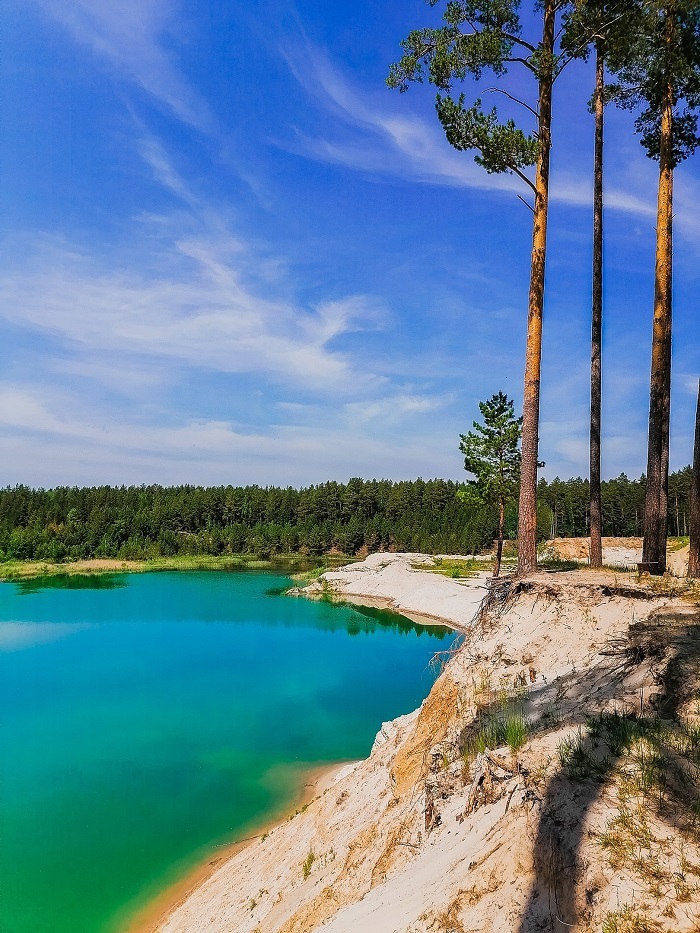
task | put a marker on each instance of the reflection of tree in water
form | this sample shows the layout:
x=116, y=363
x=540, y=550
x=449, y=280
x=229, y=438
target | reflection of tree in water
x=341, y=616
x=653, y=759
x=71, y=581
x=393, y=621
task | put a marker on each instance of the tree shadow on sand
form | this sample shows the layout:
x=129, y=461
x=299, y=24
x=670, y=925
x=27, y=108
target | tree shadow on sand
x=643, y=745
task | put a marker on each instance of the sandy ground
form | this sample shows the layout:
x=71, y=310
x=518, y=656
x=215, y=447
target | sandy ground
x=618, y=552
x=415, y=840
x=395, y=581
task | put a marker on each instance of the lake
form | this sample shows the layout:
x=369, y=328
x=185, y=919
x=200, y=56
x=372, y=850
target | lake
x=148, y=718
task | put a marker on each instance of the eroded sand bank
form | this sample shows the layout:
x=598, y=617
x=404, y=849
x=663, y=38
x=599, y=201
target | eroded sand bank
x=419, y=837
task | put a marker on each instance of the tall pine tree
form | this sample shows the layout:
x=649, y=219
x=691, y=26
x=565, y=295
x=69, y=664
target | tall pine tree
x=597, y=25
x=476, y=36
x=658, y=74
x=694, y=554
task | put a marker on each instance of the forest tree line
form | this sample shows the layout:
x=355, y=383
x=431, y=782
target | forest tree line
x=141, y=522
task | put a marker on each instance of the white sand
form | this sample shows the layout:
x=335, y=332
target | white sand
x=392, y=581
x=617, y=552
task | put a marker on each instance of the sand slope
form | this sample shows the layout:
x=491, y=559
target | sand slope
x=414, y=839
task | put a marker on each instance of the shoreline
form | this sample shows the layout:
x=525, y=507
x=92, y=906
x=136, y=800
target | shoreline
x=389, y=845
x=426, y=619
x=150, y=917
x=14, y=571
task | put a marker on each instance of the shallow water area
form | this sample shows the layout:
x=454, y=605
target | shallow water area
x=148, y=719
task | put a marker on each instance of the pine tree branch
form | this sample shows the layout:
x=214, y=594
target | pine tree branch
x=516, y=40
x=522, y=61
x=523, y=177
x=499, y=90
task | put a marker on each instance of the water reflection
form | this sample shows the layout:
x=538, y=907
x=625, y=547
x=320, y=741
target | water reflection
x=385, y=619
x=71, y=581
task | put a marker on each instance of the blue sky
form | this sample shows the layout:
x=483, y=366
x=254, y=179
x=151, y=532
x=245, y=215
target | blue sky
x=232, y=255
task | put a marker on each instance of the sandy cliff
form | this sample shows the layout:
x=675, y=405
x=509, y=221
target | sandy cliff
x=587, y=822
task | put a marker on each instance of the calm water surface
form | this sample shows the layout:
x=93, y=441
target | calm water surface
x=145, y=719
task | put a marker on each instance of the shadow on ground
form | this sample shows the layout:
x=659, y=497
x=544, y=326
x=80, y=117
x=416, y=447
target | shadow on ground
x=664, y=651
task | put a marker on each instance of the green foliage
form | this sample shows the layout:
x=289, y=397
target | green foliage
x=628, y=920
x=516, y=732
x=307, y=864
x=646, y=751
x=477, y=36
x=238, y=523
x=308, y=576
x=154, y=522
x=452, y=567
x=491, y=452
x=646, y=44
x=605, y=24
x=500, y=146
x=661, y=47
x=449, y=53
x=501, y=722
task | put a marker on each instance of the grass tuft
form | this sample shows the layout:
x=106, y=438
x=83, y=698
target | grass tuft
x=307, y=863
x=502, y=722
x=628, y=920
x=453, y=567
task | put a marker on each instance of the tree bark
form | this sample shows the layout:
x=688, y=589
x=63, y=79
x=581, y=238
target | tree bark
x=527, y=507
x=656, y=501
x=694, y=556
x=596, y=531
x=499, y=546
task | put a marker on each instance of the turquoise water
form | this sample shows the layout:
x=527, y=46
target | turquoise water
x=145, y=719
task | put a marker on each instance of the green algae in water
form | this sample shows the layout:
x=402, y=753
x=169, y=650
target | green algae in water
x=145, y=723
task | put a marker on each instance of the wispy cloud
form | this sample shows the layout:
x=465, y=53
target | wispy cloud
x=416, y=148
x=194, y=294
x=130, y=36
x=394, y=409
x=200, y=312
x=390, y=142
x=88, y=446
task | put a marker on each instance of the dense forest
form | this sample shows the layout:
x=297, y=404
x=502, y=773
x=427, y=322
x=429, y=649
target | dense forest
x=136, y=522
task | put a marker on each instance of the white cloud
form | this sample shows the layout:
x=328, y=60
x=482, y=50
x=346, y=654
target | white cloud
x=689, y=383
x=194, y=293
x=416, y=147
x=39, y=444
x=394, y=408
x=125, y=377
x=129, y=36
x=195, y=307
x=189, y=293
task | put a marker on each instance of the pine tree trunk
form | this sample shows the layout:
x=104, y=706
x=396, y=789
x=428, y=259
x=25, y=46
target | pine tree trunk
x=656, y=501
x=499, y=546
x=596, y=547
x=694, y=556
x=527, y=507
